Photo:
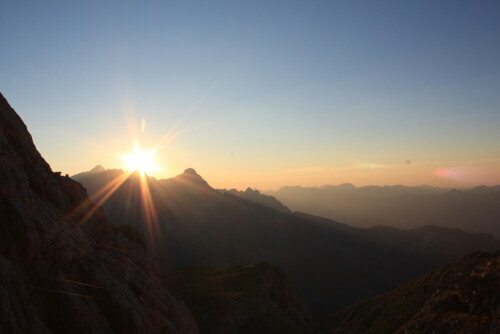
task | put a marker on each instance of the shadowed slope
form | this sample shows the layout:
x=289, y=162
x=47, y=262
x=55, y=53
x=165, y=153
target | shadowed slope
x=463, y=297
x=241, y=299
x=256, y=196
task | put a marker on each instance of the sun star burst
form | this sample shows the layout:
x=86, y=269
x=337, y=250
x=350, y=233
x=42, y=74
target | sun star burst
x=141, y=161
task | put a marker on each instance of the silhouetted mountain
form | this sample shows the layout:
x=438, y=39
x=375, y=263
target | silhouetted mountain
x=435, y=244
x=485, y=190
x=63, y=267
x=329, y=264
x=461, y=298
x=473, y=210
x=96, y=170
x=256, y=196
x=241, y=299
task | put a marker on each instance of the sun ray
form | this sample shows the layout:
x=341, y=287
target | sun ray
x=149, y=209
x=138, y=163
x=97, y=200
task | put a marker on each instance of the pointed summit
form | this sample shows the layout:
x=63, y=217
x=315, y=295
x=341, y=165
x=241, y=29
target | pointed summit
x=249, y=190
x=97, y=169
x=190, y=176
x=93, y=172
x=190, y=171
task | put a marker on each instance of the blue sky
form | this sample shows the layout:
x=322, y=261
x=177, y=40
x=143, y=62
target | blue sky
x=262, y=87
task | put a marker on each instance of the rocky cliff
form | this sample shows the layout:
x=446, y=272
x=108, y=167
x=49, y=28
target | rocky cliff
x=63, y=267
x=461, y=298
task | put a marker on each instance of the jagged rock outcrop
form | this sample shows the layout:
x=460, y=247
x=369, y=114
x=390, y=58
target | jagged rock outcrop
x=241, y=299
x=63, y=267
x=461, y=298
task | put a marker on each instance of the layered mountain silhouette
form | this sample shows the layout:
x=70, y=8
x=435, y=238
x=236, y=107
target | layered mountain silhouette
x=463, y=297
x=329, y=264
x=473, y=210
x=63, y=267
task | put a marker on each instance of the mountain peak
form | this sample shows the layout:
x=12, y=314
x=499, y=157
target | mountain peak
x=252, y=191
x=190, y=171
x=97, y=169
x=192, y=177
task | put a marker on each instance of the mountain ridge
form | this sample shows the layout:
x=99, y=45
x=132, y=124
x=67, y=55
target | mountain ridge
x=200, y=225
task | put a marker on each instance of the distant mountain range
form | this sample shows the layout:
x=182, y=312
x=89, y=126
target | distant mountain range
x=473, y=210
x=198, y=225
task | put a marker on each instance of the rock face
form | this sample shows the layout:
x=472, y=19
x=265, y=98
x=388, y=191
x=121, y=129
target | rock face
x=63, y=267
x=241, y=299
x=461, y=298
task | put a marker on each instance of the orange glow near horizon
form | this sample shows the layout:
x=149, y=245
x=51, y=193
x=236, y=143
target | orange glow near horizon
x=158, y=152
x=448, y=174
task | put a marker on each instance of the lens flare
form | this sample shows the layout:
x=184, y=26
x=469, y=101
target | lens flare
x=138, y=167
x=140, y=161
x=447, y=173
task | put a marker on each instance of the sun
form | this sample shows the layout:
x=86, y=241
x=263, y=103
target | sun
x=141, y=161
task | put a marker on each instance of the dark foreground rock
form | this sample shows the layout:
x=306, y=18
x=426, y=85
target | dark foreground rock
x=241, y=300
x=63, y=267
x=461, y=298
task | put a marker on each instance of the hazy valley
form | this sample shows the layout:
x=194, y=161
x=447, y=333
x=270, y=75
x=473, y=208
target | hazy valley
x=470, y=209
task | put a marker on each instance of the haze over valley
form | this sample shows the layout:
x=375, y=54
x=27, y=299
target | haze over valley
x=471, y=209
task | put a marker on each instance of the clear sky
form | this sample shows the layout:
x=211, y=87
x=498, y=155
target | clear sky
x=262, y=93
